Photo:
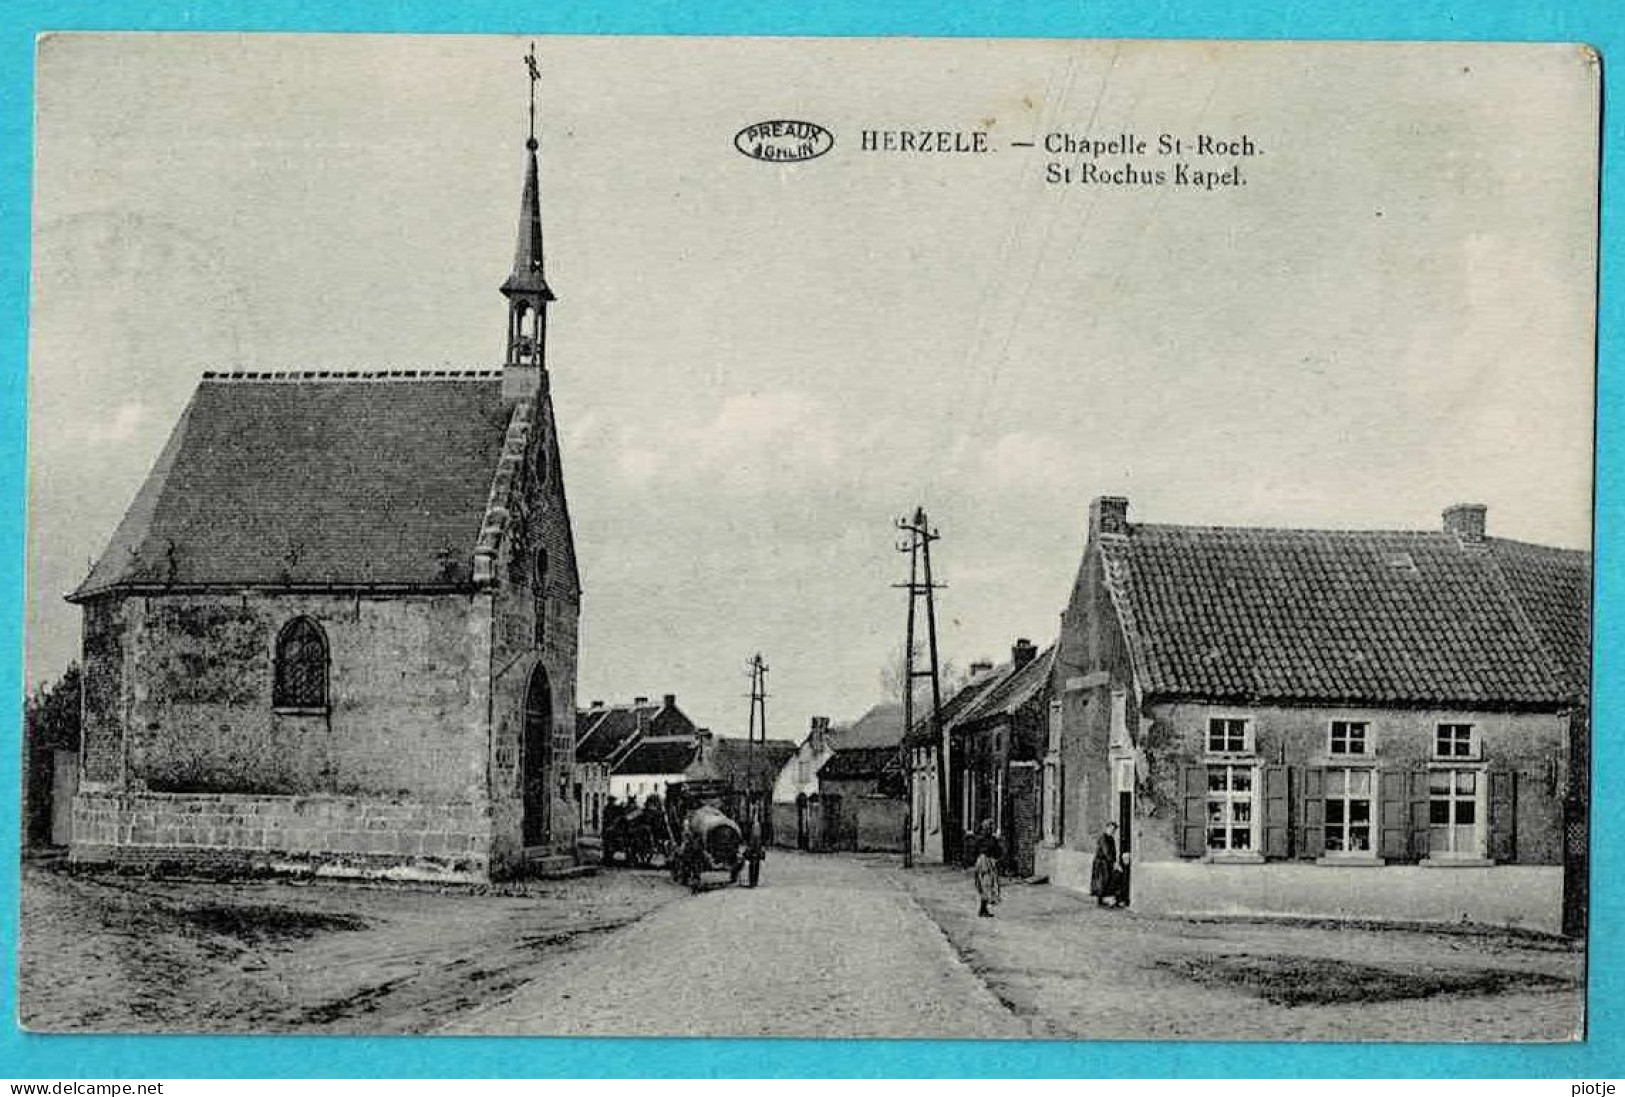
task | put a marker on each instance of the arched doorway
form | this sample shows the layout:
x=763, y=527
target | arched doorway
x=536, y=759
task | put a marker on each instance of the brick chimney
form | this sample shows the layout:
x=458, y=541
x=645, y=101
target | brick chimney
x=639, y=702
x=1108, y=516
x=1022, y=653
x=980, y=667
x=818, y=733
x=598, y=704
x=1466, y=521
x=670, y=700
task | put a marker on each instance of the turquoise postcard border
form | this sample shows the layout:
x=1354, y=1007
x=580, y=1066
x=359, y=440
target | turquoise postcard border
x=1598, y=22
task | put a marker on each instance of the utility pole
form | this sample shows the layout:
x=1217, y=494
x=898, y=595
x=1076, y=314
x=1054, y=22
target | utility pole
x=758, y=728
x=920, y=585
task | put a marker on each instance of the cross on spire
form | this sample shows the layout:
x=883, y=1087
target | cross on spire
x=535, y=76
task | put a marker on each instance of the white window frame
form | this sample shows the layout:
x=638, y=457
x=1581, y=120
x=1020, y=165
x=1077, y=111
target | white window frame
x=1368, y=741
x=1475, y=745
x=1253, y=851
x=1248, y=739
x=1479, y=852
x=1373, y=824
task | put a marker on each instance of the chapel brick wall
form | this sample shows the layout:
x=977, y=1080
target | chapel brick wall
x=406, y=714
x=103, y=684
x=332, y=835
x=525, y=596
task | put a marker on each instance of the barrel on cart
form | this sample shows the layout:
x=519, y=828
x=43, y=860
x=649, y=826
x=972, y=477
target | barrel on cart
x=708, y=839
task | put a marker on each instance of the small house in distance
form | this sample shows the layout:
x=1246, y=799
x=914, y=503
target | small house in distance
x=1359, y=724
x=606, y=734
x=843, y=789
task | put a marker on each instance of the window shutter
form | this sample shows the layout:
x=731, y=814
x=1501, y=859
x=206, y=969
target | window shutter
x=1418, y=796
x=1277, y=812
x=1193, y=811
x=1312, y=816
x=1393, y=785
x=1503, y=815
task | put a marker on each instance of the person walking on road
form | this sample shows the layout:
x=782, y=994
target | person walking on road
x=988, y=854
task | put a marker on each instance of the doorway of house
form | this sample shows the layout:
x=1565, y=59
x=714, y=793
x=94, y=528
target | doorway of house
x=536, y=760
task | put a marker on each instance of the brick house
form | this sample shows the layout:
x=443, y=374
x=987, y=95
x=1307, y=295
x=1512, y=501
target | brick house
x=1356, y=724
x=997, y=727
x=652, y=766
x=605, y=734
x=336, y=629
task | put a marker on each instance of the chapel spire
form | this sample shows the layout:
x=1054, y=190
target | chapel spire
x=526, y=288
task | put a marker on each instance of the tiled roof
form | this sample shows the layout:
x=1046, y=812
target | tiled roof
x=318, y=479
x=607, y=730
x=857, y=762
x=881, y=726
x=738, y=759
x=1010, y=691
x=659, y=754
x=956, y=703
x=1409, y=618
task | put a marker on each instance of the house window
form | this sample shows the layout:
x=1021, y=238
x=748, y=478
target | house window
x=1231, y=818
x=1453, y=815
x=1229, y=735
x=299, y=677
x=1455, y=741
x=1350, y=737
x=1350, y=794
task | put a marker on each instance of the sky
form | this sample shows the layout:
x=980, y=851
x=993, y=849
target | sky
x=758, y=367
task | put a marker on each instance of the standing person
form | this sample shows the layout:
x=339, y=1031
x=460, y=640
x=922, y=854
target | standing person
x=1103, y=872
x=988, y=853
x=753, y=847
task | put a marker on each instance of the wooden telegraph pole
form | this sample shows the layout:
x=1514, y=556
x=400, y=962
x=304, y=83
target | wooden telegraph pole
x=758, y=729
x=917, y=544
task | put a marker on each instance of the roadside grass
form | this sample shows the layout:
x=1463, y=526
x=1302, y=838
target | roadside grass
x=1321, y=981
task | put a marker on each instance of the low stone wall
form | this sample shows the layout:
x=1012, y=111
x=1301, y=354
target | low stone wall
x=785, y=823
x=877, y=822
x=1526, y=897
x=325, y=835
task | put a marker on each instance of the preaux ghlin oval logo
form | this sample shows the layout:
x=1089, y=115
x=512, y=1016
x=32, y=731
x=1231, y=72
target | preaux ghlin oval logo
x=783, y=141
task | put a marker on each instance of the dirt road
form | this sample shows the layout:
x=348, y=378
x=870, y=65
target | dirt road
x=107, y=953
x=825, y=947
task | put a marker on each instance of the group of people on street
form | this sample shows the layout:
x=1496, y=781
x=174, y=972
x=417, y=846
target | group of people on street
x=1108, y=874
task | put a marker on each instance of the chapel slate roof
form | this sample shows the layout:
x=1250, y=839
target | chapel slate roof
x=316, y=479
x=659, y=754
x=1408, y=618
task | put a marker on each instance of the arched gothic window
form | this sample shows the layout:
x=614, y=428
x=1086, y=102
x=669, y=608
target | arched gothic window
x=300, y=679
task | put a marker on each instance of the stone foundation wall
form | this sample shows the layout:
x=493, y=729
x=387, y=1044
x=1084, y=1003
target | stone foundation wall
x=1526, y=897
x=327, y=835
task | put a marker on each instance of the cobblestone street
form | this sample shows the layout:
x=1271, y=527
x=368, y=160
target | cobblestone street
x=825, y=947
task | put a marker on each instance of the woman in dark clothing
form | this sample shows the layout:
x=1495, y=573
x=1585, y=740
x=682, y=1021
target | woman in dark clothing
x=1103, y=882
x=988, y=853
